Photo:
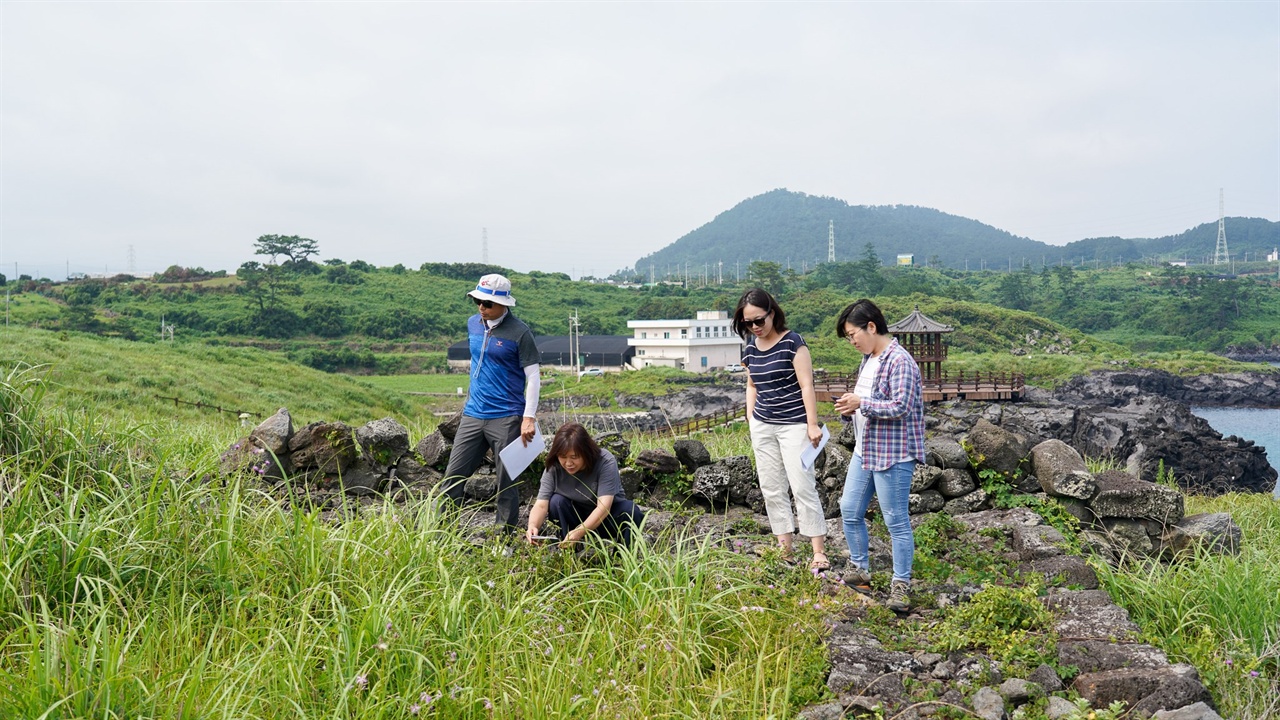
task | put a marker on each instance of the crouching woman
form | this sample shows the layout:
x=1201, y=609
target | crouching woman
x=581, y=491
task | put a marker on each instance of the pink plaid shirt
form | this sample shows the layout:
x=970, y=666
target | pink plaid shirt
x=894, y=412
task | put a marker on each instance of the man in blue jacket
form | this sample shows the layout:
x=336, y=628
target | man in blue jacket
x=503, y=401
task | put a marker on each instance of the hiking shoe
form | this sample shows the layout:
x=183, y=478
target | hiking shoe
x=858, y=579
x=898, y=601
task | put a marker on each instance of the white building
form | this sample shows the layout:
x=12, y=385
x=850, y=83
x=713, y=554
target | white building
x=707, y=343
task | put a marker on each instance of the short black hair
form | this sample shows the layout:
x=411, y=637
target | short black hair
x=761, y=299
x=572, y=437
x=859, y=314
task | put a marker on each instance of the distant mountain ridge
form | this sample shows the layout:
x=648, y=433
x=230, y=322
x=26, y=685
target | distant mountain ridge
x=791, y=227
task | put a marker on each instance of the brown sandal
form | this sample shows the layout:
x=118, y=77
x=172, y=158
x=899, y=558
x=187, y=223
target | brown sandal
x=817, y=565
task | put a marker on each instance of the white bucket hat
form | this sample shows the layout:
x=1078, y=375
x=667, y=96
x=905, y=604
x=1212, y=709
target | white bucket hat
x=494, y=287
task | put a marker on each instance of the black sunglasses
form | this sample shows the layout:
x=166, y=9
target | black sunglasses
x=758, y=322
x=486, y=304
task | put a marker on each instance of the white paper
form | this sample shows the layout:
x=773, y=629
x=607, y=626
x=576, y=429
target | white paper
x=516, y=456
x=810, y=453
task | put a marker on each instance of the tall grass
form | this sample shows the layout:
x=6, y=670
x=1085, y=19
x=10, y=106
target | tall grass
x=1220, y=613
x=132, y=589
x=126, y=382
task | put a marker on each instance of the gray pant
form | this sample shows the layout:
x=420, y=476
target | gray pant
x=474, y=438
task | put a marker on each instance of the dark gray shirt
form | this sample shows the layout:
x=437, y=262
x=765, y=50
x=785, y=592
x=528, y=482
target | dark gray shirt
x=585, y=487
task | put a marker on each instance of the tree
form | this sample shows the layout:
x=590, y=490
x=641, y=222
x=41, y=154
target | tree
x=264, y=284
x=326, y=318
x=342, y=275
x=1013, y=293
x=768, y=275
x=297, y=249
x=870, y=262
x=867, y=271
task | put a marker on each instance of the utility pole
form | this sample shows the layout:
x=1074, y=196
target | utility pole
x=573, y=343
x=1220, y=254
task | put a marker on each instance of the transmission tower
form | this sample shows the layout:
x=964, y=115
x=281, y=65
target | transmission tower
x=132, y=261
x=1220, y=254
x=484, y=245
x=831, y=241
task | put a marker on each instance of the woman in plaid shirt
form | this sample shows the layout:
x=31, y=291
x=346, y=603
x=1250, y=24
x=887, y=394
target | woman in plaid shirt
x=888, y=414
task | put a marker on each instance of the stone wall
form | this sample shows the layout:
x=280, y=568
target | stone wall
x=1123, y=515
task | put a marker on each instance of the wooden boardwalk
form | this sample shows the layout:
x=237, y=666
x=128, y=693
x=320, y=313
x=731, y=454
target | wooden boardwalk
x=962, y=386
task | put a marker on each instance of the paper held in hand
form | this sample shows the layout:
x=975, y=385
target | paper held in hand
x=810, y=453
x=516, y=456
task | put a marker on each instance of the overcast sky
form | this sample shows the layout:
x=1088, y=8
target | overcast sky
x=586, y=135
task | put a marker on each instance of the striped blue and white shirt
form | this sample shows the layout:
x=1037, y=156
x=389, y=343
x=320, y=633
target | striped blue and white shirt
x=773, y=372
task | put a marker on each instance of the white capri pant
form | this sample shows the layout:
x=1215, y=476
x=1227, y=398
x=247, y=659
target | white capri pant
x=777, y=449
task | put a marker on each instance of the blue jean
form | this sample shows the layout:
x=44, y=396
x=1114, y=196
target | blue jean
x=893, y=487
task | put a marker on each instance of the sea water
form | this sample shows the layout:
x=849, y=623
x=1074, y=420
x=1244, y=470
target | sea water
x=1261, y=425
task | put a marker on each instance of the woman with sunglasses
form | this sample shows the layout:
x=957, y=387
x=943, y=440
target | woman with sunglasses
x=888, y=414
x=782, y=413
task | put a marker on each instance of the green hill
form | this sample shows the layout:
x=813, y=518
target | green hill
x=792, y=228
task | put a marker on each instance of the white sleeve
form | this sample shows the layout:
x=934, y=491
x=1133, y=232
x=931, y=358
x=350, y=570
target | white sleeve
x=532, y=387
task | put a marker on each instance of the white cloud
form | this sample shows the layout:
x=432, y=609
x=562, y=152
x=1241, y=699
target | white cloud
x=587, y=135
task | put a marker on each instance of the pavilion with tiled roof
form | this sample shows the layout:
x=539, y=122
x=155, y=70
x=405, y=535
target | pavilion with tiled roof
x=922, y=337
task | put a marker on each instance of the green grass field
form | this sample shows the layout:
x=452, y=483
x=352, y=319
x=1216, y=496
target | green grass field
x=132, y=587
x=133, y=590
x=437, y=383
x=135, y=382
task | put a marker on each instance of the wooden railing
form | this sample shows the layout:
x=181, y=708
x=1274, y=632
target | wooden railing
x=704, y=422
x=980, y=380
x=948, y=386
x=177, y=402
